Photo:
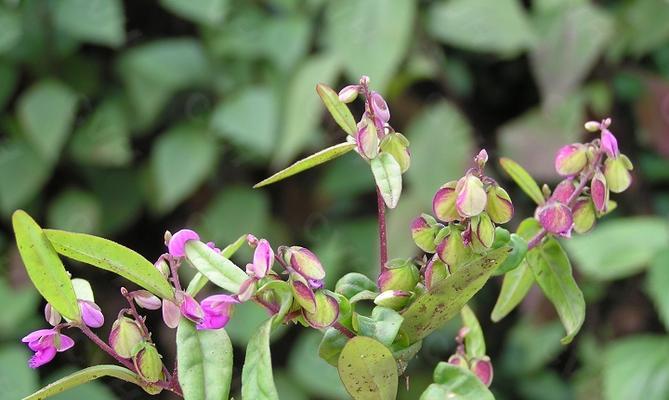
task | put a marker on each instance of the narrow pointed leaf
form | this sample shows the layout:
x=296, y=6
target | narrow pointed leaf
x=205, y=362
x=338, y=109
x=515, y=286
x=388, y=177
x=44, y=267
x=199, y=280
x=257, y=377
x=368, y=370
x=306, y=163
x=111, y=256
x=217, y=268
x=84, y=376
x=445, y=299
x=523, y=179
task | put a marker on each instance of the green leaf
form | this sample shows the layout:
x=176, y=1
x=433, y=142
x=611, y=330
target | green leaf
x=444, y=300
x=18, y=158
x=181, y=159
x=111, y=256
x=199, y=280
x=515, y=286
x=304, y=364
x=216, y=267
x=257, y=380
x=552, y=271
x=339, y=110
x=11, y=31
x=17, y=379
x=474, y=340
x=383, y=325
x=331, y=346
x=238, y=120
x=208, y=12
x=517, y=255
x=302, y=113
x=657, y=281
x=637, y=366
x=619, y=248
x=529, y=347
x=309, y=162
x=359, y=34
x=84, y=376
x=455, y=383
x=283, y=294
x=75, y=210
x=523, y=179
x=93, y=21
x=245, y=321
x=388, y=177
x=205, y=362
x=500, y=27
x=368, y=370
x=353, y=283
x=44, y=267
x=46, y=112
x=96, y=389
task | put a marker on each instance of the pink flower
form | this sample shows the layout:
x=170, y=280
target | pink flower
x=379, y=107
x=599, y=191
x=177, y=244
x=571, y=159
x=563, y=191
x=556, y=218
x=91, y=314
x=45, y=343
x=191, y=309
x=217, y=310
x=171, y=313
x=609, y=144
x=349, y=93
x=263, y=259
x=145, y=299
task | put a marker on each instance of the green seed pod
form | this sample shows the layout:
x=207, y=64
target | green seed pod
x=401, y=275
x=148, y=363
x=124, y=336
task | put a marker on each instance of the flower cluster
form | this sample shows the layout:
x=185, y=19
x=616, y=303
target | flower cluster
x=591, y=171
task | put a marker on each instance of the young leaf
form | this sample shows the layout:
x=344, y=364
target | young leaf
x=199, y=280
x=517, y=255
x=217, y=268
x=111, y=256
x=368, y=370
x=474, y=340
x=205, y=362
x=257, y=378
x=552, y=270
x=515, y=286
x=388, y=177
x=523, y=179
x=657, y=280
x=306, y=163
x=283, y=294
x=87, y=375
x=455, y=383
x=353, y=283
x=445, y=299
x=339, y=110
x=44, y=267
x=383, y=325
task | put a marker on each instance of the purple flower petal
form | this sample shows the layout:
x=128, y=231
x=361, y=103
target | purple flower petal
x=263, y=259
x=42, y=357
x=191, y=309
x=171, y=314
x=66, y=343
x=91, y=314
x=379, y=107
x=609, y=144
x=177, y=244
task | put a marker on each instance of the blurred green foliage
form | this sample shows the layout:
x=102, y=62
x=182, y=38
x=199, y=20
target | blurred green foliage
x=126, y=118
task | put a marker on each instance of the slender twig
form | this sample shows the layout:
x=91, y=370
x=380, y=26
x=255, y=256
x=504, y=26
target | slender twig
x=135, y=314
x=105, y=347
x=174, y=268
x=383, y=240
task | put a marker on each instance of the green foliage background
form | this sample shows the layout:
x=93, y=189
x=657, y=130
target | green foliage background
x=126, y=118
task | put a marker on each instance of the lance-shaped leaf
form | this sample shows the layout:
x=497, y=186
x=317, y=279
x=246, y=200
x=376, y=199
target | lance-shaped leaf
x=388, y=177
x=474, y=340
x=515, y=286
x=523, y=179
x=257, y=377
x=304, y=164
x=44, y=267
x=87, y=375
x=199, y=280
x=368, y=370
x=111, y=256
x=552, y=270
x=446, y=298
x=205, y=362
x=217, y=268
x=339, y=110
x=455, y=383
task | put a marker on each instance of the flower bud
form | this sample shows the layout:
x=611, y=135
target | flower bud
x=584, y=215
x=349, y=93
x=397, y=145
x=435, y=271
x=379, y=107
x=401, y=274
x=162, y=266
x=395, y=299
x=592, y=126
x=498, y=205
x=367, y=139
x=302, y=293
x=424, y=229
x=145, y=299
x=483, y=230
x=443, y=203
x=251, y=240
x=459, y=360
x=616, y=171
x=305, y=263
x=125, y=335
x=171, y=313
x=452, y=250
x=327, y=311
x=556, y=218
x=599, y=192
x=609, y=144
x=91, y=314
x=247, y=289
x=571, y=159
x=177, y=243
x=148, y=363
x=563, y=191
x=471, y=199
x=481, y=158
x=51, y=315
x=263, y=259
x=482, y=368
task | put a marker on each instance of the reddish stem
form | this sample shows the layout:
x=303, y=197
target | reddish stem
x=383, y=241
x=105, y=347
